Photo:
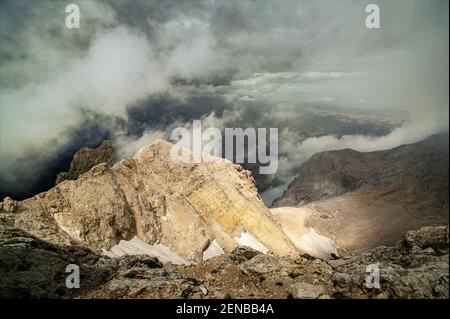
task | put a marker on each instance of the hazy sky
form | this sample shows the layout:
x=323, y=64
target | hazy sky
x=137, y=68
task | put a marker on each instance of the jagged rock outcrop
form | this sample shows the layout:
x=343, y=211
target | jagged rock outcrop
x=184, y=207
x=86, y=158
x=427, y=237
x=409, y=269
x=8, y=204
x=362, y=200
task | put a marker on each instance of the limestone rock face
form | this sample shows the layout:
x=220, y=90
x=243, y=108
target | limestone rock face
x=86, y=158
x=184, y=207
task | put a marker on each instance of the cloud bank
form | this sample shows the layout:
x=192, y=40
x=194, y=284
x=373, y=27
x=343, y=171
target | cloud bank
x=134, y=70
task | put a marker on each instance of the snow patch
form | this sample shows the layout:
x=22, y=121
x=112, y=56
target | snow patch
x=246, y=239
x=136, y=246
x=213, y=250
x=317, y=245
x=294, y=221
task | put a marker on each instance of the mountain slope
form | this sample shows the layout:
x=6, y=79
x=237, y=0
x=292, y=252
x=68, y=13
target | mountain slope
x=362, y=200
x=422, y=166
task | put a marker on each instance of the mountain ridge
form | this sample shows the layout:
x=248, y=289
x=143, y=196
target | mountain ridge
x=341, y=171
x=362, y=200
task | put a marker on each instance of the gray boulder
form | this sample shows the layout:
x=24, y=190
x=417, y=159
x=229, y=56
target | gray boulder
x=301, y=290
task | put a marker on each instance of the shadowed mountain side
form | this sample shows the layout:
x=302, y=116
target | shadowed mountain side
x=362, y=200
x=421, y=168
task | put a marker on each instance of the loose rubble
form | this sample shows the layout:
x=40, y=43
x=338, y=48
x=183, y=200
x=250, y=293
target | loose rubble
x=33, y=268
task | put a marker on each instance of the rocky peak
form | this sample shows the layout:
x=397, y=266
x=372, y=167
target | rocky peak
x=184, y=207
x=86, y=158
x=8, y=204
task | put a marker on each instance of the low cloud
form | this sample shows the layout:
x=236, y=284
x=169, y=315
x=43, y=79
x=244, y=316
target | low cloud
x=134, y=70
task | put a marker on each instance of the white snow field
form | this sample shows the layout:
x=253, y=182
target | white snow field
x=293, y=221
x=317, y=245
x=213, y=250
x=136, y=246
x=246, y=239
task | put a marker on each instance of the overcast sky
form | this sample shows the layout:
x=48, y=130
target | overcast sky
x=211, y=59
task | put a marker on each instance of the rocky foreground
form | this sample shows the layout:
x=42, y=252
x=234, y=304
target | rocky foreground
x=416, y=267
